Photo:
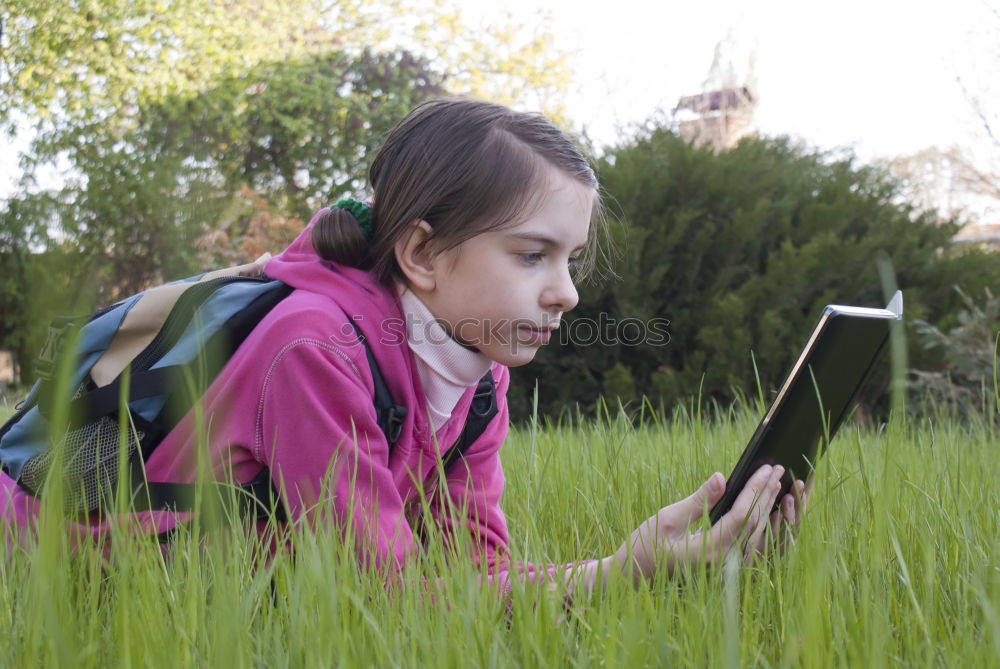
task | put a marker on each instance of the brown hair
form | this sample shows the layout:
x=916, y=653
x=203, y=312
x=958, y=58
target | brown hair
x=465, y=167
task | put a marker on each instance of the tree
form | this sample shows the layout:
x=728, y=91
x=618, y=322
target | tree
x=979, y=81
x=509, y=62
x=98, y=59
x=33, y=285
x=91, y=59
x=965, y=181
x=298, y=132
x=950, y=181
x=173, y=117
x=292, y=132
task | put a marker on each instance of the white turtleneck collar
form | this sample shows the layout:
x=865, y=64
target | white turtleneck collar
x=446, y=368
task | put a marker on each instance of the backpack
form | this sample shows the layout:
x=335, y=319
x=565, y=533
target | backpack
x=173, y=340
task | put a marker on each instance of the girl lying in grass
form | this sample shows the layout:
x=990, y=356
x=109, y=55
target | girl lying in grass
x=482, y=218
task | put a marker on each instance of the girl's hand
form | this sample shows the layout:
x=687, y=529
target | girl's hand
x=785, y=520
x=664, y=541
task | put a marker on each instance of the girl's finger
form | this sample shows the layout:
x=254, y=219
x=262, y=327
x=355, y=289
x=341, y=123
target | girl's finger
x=777, y=523
x=806, y=488
x=731, y=524
x=746, y=514
x=801, y=490
x=763, y=543
x=703, y=498
x=789, y=509
x=787, y=524
x=743, y=515
x=756, y=542
x=758, y=538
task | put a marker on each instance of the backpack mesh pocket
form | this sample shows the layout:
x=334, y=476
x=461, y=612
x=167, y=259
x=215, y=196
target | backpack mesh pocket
x=89, y=465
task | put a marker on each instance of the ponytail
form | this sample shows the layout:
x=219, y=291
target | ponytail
x=338, y=237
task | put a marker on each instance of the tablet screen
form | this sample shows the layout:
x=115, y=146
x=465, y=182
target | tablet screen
x=815, y=396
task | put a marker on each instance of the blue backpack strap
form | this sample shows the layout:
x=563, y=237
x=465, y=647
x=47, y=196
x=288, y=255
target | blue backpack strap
x=390, y=416
x=482, y=410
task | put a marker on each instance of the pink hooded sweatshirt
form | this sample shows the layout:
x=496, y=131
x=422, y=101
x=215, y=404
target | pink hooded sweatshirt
x=298, y=395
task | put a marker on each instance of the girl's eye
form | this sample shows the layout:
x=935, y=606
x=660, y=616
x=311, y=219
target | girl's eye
x=575, y=263
x=531, y=258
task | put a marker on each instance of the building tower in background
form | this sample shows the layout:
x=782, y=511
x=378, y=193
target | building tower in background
x=717, y=119
x=722, y=114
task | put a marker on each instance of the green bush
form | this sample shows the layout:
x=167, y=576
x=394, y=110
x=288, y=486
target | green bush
x=618, y=383
x=967, y=356
x=740, y=250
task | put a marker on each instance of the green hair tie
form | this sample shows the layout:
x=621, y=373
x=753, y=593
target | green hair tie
x=362, y=212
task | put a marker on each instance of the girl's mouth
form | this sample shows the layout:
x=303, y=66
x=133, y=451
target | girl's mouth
x=529, y=335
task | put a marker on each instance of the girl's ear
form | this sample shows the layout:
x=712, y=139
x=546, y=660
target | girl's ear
x=414, y=257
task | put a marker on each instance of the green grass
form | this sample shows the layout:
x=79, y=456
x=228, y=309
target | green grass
x=896, y=564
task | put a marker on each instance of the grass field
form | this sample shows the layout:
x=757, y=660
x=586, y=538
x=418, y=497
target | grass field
x=896, y=564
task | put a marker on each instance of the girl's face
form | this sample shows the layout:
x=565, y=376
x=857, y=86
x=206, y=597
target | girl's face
x=503, y=292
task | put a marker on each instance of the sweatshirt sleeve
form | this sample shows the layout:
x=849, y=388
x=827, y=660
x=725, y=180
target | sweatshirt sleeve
x=315, y=405
x=474, y=487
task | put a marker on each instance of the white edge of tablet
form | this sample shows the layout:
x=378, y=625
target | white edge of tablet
x=894, y=311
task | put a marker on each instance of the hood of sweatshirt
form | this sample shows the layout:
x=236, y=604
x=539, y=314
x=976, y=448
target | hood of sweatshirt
x=357, y=291
x=373, y=307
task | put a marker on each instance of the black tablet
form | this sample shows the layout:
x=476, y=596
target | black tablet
x=815, y=395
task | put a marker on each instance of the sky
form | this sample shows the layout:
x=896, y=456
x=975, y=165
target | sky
x=880, y=77
x=877, y=76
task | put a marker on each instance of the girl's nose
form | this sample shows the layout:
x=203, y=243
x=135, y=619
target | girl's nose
x=561, y=294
